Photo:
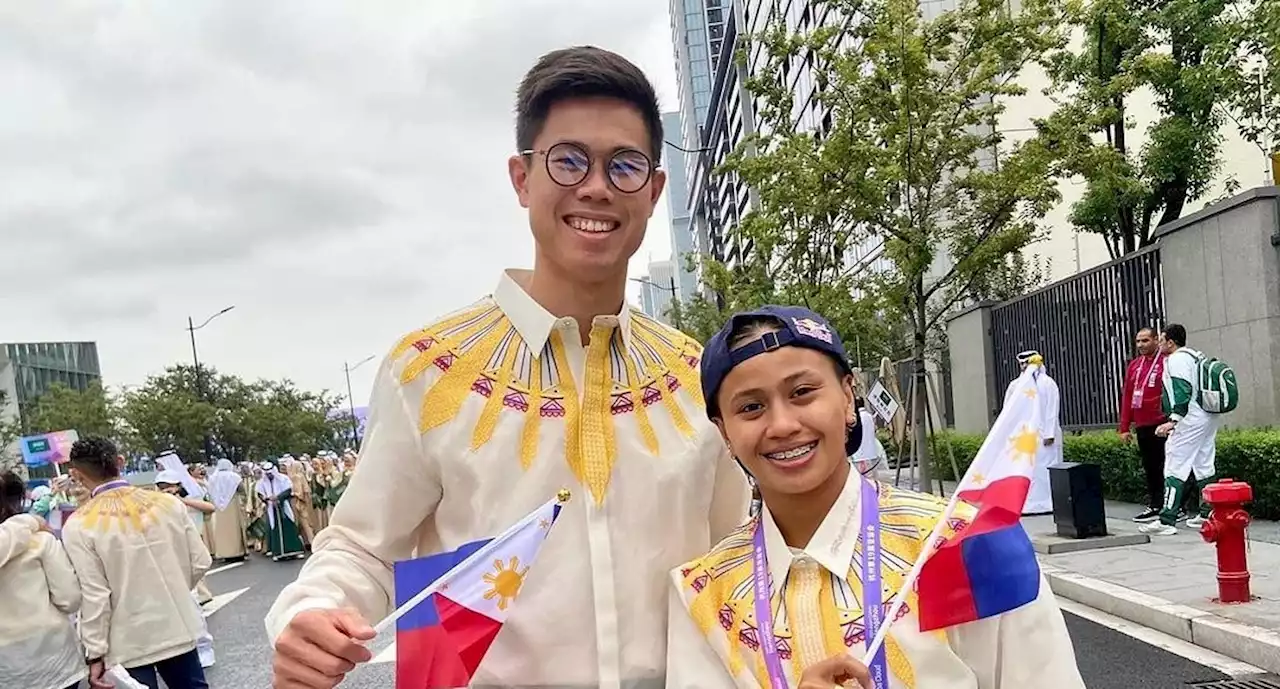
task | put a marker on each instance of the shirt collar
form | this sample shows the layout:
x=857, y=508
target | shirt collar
x=832, y=545
x=534, y=323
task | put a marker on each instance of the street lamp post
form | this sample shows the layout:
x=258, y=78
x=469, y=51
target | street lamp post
x=195, y=358
x=675, y=295
x=351, y=400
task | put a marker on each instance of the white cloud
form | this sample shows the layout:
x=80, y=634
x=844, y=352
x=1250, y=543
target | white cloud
x=334, y=170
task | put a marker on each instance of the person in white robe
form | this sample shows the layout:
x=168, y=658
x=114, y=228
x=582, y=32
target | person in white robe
x=870, y=452
x=1040, y=498
x=168, y=481
x=228, y=542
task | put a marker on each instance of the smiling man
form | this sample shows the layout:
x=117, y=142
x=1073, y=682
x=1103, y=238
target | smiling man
x=550, y=382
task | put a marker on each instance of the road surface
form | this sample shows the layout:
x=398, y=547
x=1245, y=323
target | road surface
x=1108, y=655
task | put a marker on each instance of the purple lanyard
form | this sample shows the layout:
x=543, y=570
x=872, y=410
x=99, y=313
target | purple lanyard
x=118, y=483
x=872, y=610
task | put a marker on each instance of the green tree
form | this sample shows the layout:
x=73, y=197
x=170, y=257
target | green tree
x=910, y=156
x=89, y=412
x=10, y=431
x=1192, y=55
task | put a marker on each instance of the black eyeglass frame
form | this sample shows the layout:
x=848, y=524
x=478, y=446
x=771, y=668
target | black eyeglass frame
x=591, y=161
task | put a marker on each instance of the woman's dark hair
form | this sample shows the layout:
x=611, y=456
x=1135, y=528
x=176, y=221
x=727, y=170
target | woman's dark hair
x=95, y=457
x=12, y=492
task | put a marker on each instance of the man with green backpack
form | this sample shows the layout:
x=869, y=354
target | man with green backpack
x=1198, y=390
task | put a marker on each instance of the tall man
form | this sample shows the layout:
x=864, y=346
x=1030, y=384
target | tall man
x=550, y=382
x=137, y=556
x=1192, y=432
x=1141, y=414
x=1040, y=497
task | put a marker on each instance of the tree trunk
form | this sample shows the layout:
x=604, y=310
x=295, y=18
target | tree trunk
x=919, y=427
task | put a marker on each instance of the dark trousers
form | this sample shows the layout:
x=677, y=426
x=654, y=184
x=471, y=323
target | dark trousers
x=179, y=672
x=1151, y=449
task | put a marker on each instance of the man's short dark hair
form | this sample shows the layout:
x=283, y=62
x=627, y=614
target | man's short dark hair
x=1176, y=333
x=1147, y=329
x=584, y=72
x=95, y=457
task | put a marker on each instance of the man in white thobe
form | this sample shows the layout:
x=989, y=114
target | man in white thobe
x=1040, y=497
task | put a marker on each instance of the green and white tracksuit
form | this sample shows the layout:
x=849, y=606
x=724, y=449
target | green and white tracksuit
x=1191, y=448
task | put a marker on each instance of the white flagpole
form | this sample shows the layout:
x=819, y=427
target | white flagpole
x=909, y=583
x=483, y=552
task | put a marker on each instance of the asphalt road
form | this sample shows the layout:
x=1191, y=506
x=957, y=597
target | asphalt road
x=1108, y=659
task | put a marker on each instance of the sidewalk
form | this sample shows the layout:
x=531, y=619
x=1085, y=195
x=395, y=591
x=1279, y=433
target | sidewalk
x=1166, y=583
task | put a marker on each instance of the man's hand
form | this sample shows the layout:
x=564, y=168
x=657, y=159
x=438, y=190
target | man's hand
x=42, y=525
x=1164, y=429
x=1127, y=437
x=319, y=648
x=97, y=676
x=836, y=671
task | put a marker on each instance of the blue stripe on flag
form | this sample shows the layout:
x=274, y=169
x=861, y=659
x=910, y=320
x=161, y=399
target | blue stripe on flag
x=411, y=576
x=1003, y=572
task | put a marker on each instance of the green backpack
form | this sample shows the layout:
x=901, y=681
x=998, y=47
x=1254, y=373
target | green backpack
x=1217, y=391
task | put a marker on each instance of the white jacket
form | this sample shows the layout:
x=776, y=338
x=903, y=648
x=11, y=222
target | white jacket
x=38, y=645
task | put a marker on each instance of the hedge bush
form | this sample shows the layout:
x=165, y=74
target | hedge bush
x=1250, y=455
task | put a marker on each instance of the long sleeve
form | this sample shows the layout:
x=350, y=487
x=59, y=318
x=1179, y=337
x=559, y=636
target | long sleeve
x=60, y=576
x=1048, y=391
x=1179, y=384
x=691, y=662
x=1126, y=399
x=1027, y=647
x=95, y=606
x=15, y=534
x=393, y=493
x=730, y=498
x=201, y=560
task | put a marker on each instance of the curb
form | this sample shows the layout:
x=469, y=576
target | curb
x=1256, y=646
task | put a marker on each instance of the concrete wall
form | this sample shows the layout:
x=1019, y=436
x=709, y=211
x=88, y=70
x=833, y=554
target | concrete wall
x=1222, y=281
x=972, y=369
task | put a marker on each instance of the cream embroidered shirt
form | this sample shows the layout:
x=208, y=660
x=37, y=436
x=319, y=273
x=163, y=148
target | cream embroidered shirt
x=38, y=645
x=482, y=416
x=137, y=556
x=713, y=641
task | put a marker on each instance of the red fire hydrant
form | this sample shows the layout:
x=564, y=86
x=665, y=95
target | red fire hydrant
x=1226, y=527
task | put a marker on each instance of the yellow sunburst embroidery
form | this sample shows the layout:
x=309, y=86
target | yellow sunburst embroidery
x=120, y=510
x=1030, y=393
x=477, y=350
x=505, y=581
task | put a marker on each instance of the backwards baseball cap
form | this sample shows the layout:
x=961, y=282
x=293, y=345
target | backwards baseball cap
x=800, y=327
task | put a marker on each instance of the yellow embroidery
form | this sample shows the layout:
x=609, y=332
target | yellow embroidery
x=718, y=593
x=478, y=350
x=121, y=509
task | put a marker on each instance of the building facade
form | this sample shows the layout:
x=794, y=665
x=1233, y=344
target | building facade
x=683, y=244
x=656, y=290
x=29, y=369
x=697, y=37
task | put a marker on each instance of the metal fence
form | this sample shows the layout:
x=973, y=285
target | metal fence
x=1084, y=326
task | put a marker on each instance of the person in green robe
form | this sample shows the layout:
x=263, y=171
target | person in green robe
x=283, y=539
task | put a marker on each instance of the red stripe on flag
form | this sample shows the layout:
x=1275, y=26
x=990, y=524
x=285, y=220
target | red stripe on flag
x=999, y=504
x=470, y=632
x=943, y=590
x=426, y=659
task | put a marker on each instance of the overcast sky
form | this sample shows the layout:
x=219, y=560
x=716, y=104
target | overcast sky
x=337, y=171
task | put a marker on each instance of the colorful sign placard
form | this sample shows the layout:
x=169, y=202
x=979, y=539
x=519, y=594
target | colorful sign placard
x=47, y=448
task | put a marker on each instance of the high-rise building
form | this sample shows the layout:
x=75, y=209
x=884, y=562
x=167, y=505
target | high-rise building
x=657, y=289
x=697, y=35
x=29, y=369
x=683, y=246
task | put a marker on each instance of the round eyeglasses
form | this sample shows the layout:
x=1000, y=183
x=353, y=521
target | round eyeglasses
x=569, y=164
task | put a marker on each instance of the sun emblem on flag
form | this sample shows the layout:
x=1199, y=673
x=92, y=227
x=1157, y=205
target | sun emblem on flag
x=505, y=581
x=1026, y=443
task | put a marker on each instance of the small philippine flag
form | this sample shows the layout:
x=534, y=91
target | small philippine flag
x=990, y=567
x=441, y=641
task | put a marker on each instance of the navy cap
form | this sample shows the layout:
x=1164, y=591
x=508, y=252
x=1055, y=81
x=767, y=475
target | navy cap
x=800, y=328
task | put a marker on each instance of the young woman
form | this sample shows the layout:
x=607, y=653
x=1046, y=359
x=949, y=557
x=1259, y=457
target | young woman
x=38, y=645
x=777, y=384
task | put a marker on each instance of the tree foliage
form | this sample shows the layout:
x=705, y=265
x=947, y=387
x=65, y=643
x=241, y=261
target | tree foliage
x=10, y=431
x=244, y=420
x=1194, y=57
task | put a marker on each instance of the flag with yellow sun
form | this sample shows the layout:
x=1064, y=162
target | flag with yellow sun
x=989, y=567
x=443, y=635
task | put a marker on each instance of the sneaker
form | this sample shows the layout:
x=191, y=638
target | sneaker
x=1148, y=515
x=1196, y=522
x=1182, y=516
x=1157, y=529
